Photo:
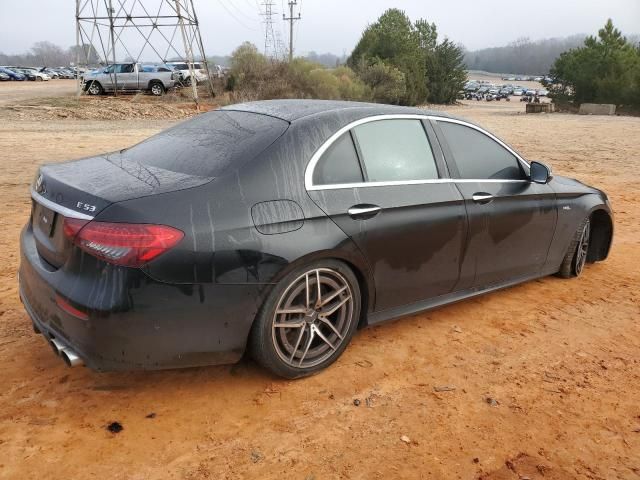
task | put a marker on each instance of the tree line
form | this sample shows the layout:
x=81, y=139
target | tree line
x=525, y=56
x=396, y=61
x=522, y=56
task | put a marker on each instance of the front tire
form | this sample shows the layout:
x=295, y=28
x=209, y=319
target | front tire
x=94, y=88
x=576, y=256
x=307, y=320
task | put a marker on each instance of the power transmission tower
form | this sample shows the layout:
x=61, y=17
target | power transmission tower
x=280, y=47
x=291, y=18
x=108, y=31
x=270, y=43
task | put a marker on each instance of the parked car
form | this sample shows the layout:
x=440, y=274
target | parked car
x=13, y=75
x=65, y=73
x=217, y=71
x=128, y=77
x=27, y=74
x=262, y=226
x=53, y=74
x=183, y=67
x=530, y=92
x=39, y=75
x=4, y=77
x=543, y=92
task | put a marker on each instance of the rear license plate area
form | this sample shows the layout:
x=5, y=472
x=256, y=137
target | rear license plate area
x=44, y=219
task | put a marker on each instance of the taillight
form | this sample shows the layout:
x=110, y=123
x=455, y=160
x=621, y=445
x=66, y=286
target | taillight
x=126, y=244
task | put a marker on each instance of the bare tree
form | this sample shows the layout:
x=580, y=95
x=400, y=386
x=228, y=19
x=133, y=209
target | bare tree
x=50, y=54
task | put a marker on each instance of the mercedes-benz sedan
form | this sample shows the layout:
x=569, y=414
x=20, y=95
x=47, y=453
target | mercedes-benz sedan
x=281, y=227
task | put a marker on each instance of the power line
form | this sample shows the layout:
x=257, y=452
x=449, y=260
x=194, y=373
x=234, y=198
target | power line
x=235, y=17
x=241, y=12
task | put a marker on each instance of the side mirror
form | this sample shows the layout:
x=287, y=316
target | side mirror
x=540, y=173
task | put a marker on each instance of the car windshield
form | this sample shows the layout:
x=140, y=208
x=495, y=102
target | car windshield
x=208, y=144
x=181, y=66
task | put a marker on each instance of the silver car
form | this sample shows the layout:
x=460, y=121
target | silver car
x=129, y=77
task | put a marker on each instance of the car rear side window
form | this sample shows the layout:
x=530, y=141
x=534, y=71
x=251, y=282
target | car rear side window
x=339, y=164
x=478, y=156
x=395, y=150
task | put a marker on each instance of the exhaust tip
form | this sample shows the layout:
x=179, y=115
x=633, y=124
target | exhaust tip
x=56, y=346
x=71, y=358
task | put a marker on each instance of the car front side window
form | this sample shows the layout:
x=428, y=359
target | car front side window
x=478, y=156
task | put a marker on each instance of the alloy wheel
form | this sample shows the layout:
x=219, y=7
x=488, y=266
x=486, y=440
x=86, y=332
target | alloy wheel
x=583, y=247
x=312, y=318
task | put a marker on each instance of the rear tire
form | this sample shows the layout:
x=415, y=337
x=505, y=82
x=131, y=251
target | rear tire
x=156, y=89
x=321, y=326
x=576, y=256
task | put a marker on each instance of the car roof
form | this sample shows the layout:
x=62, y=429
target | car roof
x=291, y=110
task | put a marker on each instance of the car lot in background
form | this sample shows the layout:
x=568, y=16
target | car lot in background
x=490, y=90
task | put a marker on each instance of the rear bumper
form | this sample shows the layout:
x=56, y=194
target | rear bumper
x=135, y=322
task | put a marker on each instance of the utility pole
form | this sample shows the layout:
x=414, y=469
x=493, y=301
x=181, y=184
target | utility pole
x=112, y=36
x=291, y=18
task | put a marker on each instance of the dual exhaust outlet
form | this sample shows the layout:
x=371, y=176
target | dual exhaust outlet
x=70, y=357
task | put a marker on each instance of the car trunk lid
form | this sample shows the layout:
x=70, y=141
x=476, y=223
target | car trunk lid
x=82, y=189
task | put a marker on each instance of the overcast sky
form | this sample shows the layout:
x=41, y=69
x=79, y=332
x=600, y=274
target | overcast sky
x=335, y=25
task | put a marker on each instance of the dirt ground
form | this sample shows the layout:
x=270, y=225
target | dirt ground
x=15, y=92
x=542, y=379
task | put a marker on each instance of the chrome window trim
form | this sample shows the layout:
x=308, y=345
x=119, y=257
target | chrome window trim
x=308, y=174
x=67, y=212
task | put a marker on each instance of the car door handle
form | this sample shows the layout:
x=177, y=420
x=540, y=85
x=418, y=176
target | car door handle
x=362, y=212
x=482, y=198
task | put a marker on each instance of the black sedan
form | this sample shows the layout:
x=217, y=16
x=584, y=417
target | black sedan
x=280, y=227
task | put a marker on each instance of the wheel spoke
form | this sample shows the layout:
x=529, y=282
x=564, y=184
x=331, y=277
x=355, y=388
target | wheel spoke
x=295, y=349
x=332, y=296
x=335, y=307
x=322, y=337
x=330, y=325
x=291, y=310
x=319, y=299
x=289, y=324
x=308, y=293
x=306, y=349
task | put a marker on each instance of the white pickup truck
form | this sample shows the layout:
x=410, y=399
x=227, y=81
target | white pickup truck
x=156, y=79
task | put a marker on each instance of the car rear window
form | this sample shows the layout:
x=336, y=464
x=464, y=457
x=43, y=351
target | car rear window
x=208, y=144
